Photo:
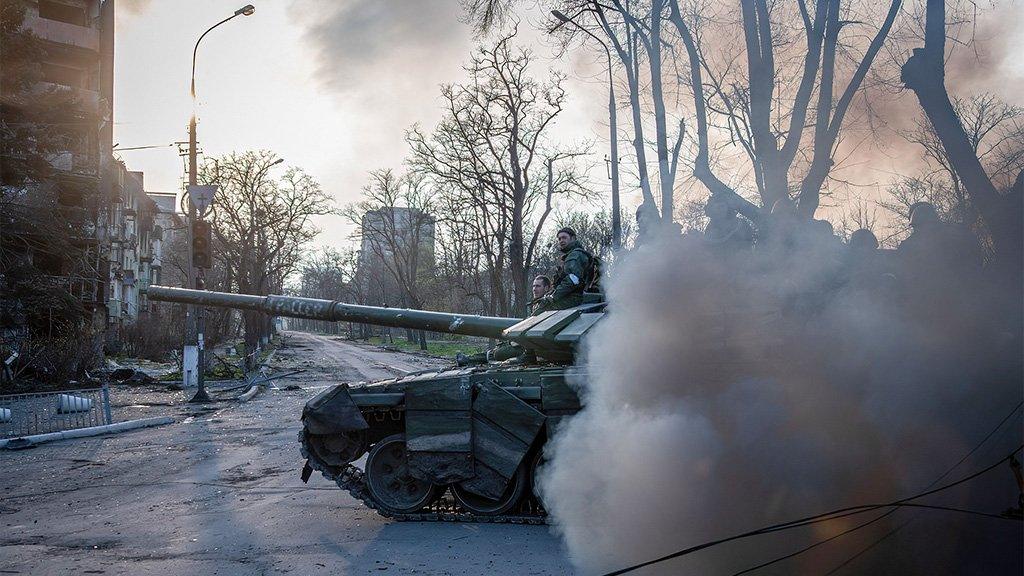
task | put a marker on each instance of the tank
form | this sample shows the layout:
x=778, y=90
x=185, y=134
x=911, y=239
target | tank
x=459, y=444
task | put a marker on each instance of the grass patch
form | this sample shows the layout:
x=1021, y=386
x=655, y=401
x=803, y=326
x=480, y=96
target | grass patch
x=441, y=348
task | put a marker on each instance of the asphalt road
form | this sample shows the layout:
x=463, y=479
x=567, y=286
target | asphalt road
x=218, y=492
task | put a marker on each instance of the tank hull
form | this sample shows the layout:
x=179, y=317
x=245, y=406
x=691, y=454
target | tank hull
x=472, y=435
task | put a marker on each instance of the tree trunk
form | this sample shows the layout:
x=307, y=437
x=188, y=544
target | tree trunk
x=924, y=75
x=701, y=166
x=660, y=122
x=517, y=263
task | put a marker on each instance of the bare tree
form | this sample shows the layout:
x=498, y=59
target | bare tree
x=860, y=215
x=328, y=274
x=780, y=96
x=462, y=273
x=396, y=226
x=769, y=115
x=261, y=223
x=996, y=136
x=924, y=74
x=488, y=156
x=995, y=132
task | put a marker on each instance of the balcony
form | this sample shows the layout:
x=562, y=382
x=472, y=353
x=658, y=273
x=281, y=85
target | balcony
x=69, y=163
x=86, y=102
x=64, y=34
x=114, y=308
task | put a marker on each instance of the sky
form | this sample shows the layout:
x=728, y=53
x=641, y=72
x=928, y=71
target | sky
x=329, y=86
x=332, y=86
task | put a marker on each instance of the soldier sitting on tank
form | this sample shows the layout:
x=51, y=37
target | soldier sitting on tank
x=863, y=270
x=726, y=230
x=541, y=286
x=938, y=244
x=574, y=273
x=508, y=350
x=939, y=261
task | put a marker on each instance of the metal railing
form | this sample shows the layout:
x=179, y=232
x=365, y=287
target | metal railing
x=28, y=414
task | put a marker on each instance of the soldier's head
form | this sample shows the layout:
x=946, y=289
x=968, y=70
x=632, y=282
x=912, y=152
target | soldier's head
x=566, y=236
x=719, y=208
x=923, y=215
x=863, y=240
x=541, y=285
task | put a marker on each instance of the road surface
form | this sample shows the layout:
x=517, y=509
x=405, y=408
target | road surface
x=218, y=492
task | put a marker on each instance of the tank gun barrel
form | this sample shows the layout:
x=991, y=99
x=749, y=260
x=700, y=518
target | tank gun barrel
x=316, y=309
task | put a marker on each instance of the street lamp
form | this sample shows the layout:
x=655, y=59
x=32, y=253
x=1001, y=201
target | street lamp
x=247, y=10
x=613, y=135
x=195, y=322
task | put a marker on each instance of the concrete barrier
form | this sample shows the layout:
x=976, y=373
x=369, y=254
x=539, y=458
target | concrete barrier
x=28, y=441
x=68, y=404
x=249, y=394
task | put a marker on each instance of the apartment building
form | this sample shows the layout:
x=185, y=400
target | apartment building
x=132, y=235
x=78, y=39
x=169, y=241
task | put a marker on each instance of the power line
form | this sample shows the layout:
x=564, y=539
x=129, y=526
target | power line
x=826, y=516
x=815, y=545
x=872, y=521
x=869, y=547
x=890, y=533
x=143, y=147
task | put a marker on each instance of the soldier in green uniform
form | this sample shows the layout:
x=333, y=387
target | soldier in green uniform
x=541, y=286
x=569, y=284
x=573, y=274
x=508, y=350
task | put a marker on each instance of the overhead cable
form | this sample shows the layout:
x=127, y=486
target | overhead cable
x=824, y=517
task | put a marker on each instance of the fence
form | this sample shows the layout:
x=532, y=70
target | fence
x=28, y=414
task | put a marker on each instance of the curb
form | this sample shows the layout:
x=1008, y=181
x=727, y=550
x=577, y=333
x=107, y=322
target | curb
x=28, y=441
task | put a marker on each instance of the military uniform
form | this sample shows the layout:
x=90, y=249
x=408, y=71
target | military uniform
x=505, y=350
x=539, y=306
x=571, y=279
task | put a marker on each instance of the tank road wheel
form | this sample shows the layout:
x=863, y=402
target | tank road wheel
x=389, y=482
x=536, y=461
x=484, y=506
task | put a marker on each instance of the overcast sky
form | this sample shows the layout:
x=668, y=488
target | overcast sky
x=332, y=86
x=329, y=86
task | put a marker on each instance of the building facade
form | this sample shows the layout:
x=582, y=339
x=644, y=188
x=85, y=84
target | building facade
x=99, y=206
x=78, y=39
x=396, y=242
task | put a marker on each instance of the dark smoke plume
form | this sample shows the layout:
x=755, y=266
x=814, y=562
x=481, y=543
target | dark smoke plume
x=726, y=392
x=383, y=48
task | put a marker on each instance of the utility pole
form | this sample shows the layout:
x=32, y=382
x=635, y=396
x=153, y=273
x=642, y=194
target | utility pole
x=194, y=354
x=196, y=276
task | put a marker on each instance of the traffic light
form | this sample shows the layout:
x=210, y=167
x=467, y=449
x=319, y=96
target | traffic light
x=202, y=244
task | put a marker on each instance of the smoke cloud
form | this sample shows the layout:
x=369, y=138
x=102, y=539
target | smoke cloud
x=726, y=392
x=390, y=47
x=381, y=64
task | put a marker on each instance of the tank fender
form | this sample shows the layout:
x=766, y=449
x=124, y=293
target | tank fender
x=504, y=429
x=438, y=430
x=333, y=412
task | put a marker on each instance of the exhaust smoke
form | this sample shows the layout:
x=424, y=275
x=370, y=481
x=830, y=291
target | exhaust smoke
x=729, y=391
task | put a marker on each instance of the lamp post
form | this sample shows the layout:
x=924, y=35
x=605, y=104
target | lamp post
x=613, y=135
x=194, y=322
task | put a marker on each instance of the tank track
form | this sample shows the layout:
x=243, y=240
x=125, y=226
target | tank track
x=445, y=509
